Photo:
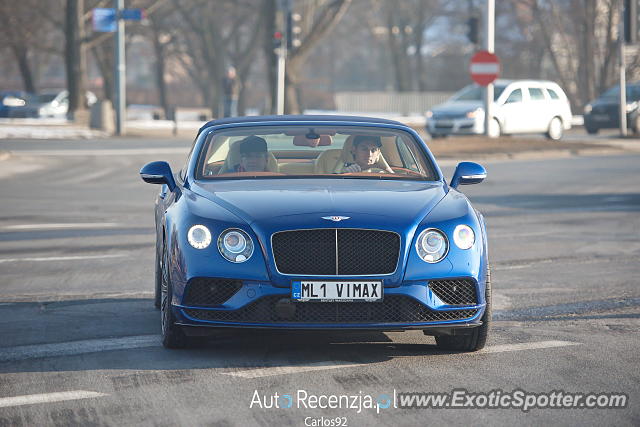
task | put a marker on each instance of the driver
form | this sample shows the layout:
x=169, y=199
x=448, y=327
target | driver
x=253, y=155
x=366, y=154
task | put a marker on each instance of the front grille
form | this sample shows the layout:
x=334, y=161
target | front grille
x=443, y=126
x=393, y=309
x=332, y=251
x=455, y=291
x=209, y=292
x=449, y=116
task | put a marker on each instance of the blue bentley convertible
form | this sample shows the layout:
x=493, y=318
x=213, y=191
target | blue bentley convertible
x=318, y=222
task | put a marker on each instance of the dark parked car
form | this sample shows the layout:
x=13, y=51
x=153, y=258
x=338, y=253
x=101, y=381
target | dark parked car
x=17, y=103
x=604, y=112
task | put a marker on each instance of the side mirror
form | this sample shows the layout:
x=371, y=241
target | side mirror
x=468, y=173
x=158, y=173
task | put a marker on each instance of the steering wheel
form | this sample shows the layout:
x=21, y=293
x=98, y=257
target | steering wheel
x=407, y=171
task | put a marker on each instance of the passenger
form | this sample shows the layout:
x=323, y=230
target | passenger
x=366, y=154
x=253, y=155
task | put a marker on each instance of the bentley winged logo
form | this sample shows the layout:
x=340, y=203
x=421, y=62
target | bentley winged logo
x=335, y=218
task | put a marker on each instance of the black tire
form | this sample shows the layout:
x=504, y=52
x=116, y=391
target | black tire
x=477, y=339
x=635, y=125
x=555, y=130
x=157, y=297
x=438, y=136
x=591, y=130
x=172, y=335
x=495, y=130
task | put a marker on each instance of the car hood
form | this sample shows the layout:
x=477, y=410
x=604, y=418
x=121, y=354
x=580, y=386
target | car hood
x=455, y=107
x=303, y=202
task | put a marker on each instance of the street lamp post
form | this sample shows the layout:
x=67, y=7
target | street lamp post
x=489, y=47
x=120, y=97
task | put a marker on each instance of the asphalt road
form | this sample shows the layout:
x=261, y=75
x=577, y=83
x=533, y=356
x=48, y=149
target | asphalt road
x=79, y=335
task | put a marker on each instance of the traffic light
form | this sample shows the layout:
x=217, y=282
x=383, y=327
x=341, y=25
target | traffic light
x=277, y=40
x=294, y=30
x=630, y=21
x=472, y=30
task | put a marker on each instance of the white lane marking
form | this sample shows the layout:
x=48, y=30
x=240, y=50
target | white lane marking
x=57, y=226
x=320, y=366
x=283, y=370
x=527, y=346
x=58, y=297
x=73, y=348
x=30, y=399
x=62, y=258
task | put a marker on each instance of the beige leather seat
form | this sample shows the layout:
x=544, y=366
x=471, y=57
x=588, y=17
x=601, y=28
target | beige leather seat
x=233, y=159
x=296, y=168
x=332, y=161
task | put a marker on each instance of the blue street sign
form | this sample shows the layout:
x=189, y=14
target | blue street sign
x=104, y=20
x=132, y=14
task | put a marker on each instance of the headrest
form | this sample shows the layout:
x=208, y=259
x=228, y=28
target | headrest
x=302, y=140
x=233, y=158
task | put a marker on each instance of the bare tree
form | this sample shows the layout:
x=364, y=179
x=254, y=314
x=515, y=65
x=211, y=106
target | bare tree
x=21, y=27
x=321, y=17
x=579, y=37
x=213, y=36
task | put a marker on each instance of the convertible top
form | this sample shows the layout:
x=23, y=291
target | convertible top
x=297, y=118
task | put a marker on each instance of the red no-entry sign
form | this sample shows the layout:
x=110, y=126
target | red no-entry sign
x=484, y=67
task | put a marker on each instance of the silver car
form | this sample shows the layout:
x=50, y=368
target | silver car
x=55, y=102
x=520, y=106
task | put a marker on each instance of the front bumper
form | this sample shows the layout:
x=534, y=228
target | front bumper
x=459, y=126
x=607, y=119
x=413, y=305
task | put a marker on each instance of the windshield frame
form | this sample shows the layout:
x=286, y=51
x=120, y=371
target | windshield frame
x=198, y=155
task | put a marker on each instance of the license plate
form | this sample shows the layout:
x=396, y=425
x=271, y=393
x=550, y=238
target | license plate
x=601, y=117
x=328, y=291
x=444, y=123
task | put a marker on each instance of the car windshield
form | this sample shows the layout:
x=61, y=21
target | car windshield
x=313, y=151
x=633, y=93
x=476, y=93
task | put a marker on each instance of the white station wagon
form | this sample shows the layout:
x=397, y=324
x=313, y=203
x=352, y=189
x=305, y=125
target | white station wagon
x=520, y=106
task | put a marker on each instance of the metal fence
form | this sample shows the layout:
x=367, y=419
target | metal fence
x=402, y=103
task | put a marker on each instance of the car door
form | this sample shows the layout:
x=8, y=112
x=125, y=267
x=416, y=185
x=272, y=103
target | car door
x=513, y=111
x=538, y=109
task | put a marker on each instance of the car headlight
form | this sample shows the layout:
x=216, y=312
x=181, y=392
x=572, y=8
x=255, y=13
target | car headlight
x=429, y=114
x=588, y=108
x=199, y=236
x=235, y=245
x=473, y=114
x=464, y=237
x=432, y=245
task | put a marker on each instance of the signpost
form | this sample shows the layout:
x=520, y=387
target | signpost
x=111, y=20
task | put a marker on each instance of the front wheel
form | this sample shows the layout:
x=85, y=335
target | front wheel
x=591, y=130
x=554, y=132
x=157, y=299
x=635, y=125
x=172, y=335
x=477, y=339
x=494, y=129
